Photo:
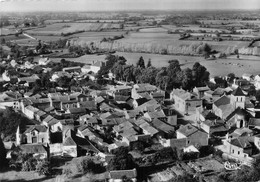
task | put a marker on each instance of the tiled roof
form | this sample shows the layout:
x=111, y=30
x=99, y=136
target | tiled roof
x=33, y=148
x=187, y=130
x=121, y=173
x=224, y=100
x=39, y=128
x=178, y=143
x=160, y=125
x=90, y=105
x=149, y=129
x=254, y=122
x=69, y=142
x=241, y=142
x=77, y=110
x=156, y=114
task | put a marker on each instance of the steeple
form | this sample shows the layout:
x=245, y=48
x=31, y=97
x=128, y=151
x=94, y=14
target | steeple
x=238, y=98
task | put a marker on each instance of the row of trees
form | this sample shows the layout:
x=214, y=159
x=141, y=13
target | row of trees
x=165, y=77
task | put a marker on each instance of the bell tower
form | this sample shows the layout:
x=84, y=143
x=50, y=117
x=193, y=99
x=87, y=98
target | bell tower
x=238, y=98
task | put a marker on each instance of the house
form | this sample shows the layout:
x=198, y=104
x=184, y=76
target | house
x=30, y=111
x=151, y=105
x=254, y=123
x=89, y=105
x=158, y=96
x=118, y=176
x=55, y=76
x=225, y=105
x=72, y=69
x=33, y=134
x=194, y=135
x=166, y=130
x=123, y=90
x=155, y=114
x=256, y=82
x=44, y=61
x=124, y=131
x=248, y=77
x=240, y=148
x=94, y=67
x=28, y=81
x=38, y=150
x=139, y=89
x=200, y=91
x=148, y=129
x=184, y=101
x=240, y=83
x=215, y=127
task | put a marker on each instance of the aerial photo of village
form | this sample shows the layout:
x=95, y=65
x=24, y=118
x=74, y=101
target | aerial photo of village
x=129, y=90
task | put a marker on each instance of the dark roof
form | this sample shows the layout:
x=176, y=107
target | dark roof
x=121, y=173
x=208, y=114
x=33, y=148
x=39, y=128
x=178, y=143
x=77, y=110
x=121, y=98
x=163, y=126
x=224, y=100
x=188, y=130
x=238, y=92
x=90, y=105
x=241, y=142
x=254, y=122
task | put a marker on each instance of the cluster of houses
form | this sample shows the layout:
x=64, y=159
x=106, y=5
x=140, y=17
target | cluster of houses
x=97, y=122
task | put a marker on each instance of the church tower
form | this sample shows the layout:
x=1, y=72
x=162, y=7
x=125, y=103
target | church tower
x=238, y=98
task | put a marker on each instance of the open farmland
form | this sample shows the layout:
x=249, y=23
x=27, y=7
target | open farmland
x=218, y=67
x=6, y=31
x=192, y=28
x=59, y=28
x=97, y=36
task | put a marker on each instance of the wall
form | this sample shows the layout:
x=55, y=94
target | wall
x=70, y=151
x=56, y=149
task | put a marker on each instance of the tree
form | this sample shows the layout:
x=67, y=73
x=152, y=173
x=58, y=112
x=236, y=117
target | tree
x=200, y=75
x=149, y=75
x=121, y=161
x=231, y=77
x=140, y=63
x=172, y=71
x=149, y=63
x=186, y=77
x=63, y=81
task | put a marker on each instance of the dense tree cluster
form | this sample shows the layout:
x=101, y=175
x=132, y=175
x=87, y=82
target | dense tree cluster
x=121, y=161
x=9, y=121
x=166, y=77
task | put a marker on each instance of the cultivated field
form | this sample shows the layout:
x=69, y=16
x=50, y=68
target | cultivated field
x=97, y=36
x=58, y=28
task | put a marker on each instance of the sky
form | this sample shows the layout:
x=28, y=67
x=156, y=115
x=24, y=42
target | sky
x=113, y=5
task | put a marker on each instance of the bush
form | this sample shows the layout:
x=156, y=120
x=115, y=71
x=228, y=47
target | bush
x=67, y=172
x=43, y=167
x=89, y=166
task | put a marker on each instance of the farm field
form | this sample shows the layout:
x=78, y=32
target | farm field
x=96, y=36
x=191, y=27
x=58, y=28
x=218, y=67
x=6, y=31
x=152, y=30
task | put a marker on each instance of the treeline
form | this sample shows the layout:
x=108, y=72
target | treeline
x=165, y=78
